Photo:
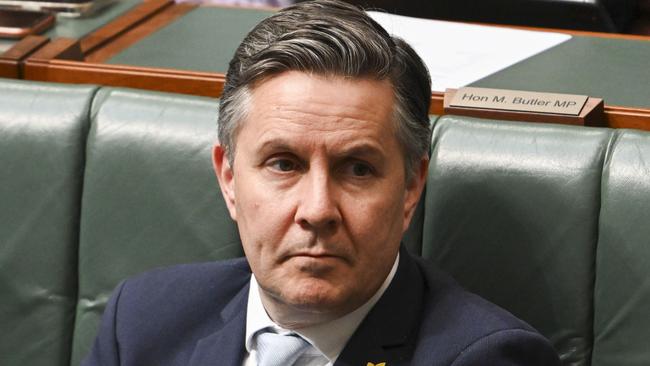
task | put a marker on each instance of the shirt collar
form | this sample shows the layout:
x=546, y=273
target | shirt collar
x=329, y=338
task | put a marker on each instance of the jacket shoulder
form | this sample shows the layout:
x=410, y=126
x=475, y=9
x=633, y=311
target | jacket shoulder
x=178, y=297
x=188, y=278
x=158, y=317
x=460, y=328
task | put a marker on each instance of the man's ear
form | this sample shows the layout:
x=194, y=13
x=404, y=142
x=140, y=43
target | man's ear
x=414, y=188
x=226, y=178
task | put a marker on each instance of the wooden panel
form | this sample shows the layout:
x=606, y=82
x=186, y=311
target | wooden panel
x=12, y=59
x=60, y=48
x=211, y=85
x=176, y=81
x=49, y=64
x=622, y=117
x=615, y=116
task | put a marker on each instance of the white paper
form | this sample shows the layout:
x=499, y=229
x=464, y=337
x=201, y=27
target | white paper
x=458, y=54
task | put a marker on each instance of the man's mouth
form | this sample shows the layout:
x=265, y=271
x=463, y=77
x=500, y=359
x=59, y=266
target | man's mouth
x=318, y=257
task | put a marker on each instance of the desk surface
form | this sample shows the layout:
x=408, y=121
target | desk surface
x=79, y=27
x=616, y=70
x=204, y=39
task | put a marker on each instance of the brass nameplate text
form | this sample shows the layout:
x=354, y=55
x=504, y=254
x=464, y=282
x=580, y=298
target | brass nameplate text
x=521, y=101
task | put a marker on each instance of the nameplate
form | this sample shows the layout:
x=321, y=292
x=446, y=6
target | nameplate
x=525, y=106
x=521, y=101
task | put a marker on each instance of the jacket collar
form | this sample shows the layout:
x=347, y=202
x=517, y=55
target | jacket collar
x=226, y=345
x=389, y=331
x=387, y=334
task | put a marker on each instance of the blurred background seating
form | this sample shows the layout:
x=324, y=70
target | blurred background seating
x=617, y=16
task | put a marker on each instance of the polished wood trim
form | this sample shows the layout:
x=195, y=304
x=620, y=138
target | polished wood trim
x=211, y=85
x=51, y=63
x=60, y=48
x=615, y=116
x=25, y=47
x=591, y=114
x=9, y=69
x=624, y=117
x=122, y=24
x=135, y=34
x=437, y=105
x=168, y=80
x=12, y=59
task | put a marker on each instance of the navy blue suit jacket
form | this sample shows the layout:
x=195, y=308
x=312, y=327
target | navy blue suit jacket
x=196, y=314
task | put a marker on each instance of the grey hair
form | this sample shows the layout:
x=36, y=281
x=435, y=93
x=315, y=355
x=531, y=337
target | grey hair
x=331, y=38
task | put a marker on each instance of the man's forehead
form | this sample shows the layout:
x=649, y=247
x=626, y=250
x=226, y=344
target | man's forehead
x=330, y=109
x=290, y=78
x=336, y=97
x=323, y=95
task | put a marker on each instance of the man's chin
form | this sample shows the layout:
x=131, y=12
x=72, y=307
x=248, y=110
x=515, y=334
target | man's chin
x=304, y=300
x=313, y=295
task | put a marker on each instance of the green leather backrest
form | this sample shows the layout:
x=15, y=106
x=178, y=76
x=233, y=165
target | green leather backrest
x=530, y=216
x=150, y=197
x=622, y=295
x=511, y=211
x=412, y=239
x=42, y=138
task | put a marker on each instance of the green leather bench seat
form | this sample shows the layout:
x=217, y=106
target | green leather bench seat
x=42, y=132
x=622, y=293
x=150, y=196
x=517, y=204
x=548, y=221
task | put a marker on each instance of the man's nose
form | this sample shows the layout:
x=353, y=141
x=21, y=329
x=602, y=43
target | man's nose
x=318, y=208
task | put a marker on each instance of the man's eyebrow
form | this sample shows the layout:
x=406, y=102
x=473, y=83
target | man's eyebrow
x=362, y=149
x=356, y=149
x=276, y=144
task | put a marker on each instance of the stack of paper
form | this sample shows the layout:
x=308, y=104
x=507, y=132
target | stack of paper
x=458, y=54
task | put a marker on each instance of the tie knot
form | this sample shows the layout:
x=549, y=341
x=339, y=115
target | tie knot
x=277, y=349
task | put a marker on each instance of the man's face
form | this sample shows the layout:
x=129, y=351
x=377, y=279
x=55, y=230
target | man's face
x=318, y=191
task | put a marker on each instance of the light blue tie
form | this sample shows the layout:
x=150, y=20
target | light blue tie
x=279, y=350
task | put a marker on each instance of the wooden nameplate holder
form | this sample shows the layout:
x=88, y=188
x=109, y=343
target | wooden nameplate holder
x=525, y=106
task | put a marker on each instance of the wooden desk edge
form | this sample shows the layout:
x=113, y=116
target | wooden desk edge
x=615, y=116
x=210, y=84
x=11, y=61
x=156, y=79
x=155, y=14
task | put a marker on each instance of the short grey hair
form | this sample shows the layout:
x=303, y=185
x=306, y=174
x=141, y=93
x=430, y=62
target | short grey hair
x=330, y=38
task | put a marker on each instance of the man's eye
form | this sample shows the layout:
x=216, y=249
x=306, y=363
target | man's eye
x=283, y=165
x=361, y=169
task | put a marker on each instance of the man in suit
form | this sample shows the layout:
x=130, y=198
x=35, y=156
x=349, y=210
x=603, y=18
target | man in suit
x=322, y=157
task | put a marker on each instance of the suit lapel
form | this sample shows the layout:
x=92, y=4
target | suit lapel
x=389, y=331
x=226, y=345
